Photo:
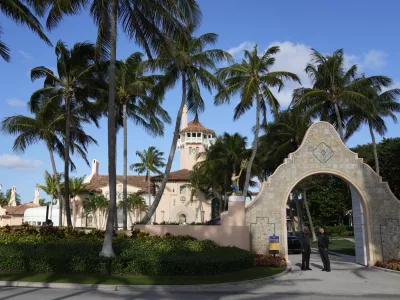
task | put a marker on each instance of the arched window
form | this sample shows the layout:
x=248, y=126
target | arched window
x=182, y=218
x=89, y=221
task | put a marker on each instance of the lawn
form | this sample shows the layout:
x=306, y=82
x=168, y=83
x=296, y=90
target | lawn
x=340, y=246
x=247, y=274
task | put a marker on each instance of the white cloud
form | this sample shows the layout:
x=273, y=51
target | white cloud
x=375, y=59
x=25, y=55
x=15, y=102
x=8, y=161
x=238, y=51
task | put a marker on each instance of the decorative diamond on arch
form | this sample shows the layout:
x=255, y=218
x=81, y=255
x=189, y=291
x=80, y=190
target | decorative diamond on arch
x=323, y=153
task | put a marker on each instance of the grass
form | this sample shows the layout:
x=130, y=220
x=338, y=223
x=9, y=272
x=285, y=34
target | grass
x=248, y=274
x=341, y=246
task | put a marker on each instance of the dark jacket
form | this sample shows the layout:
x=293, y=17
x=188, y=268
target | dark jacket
x=305, y=242
x=323, y=240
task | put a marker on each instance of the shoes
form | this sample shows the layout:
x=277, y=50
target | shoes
x=328, y=270
x=303, y=269
x=308, y=269
x=323, y=270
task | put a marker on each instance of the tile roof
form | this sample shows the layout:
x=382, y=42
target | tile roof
x=197, y=126
x=99, y=181
x=19, y=209
x=181, y=175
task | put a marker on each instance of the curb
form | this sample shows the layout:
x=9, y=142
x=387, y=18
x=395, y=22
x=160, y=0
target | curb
x=386, y=270
x=111, y=287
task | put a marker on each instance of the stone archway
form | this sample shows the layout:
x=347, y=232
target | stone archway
x=322, y=151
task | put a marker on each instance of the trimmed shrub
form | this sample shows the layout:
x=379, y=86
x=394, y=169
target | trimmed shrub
x=262, y=260
x=54, y=250
x=390, y=264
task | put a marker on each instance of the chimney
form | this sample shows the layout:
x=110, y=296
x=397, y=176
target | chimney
x=95, y=167
x=184, y=121
x=36, y=199
x=13, y=199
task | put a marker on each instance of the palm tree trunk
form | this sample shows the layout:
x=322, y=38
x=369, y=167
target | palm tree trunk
x=339, y=120
x=149, y=189
x=314, y=236
x=107, y=250
x=66, y=161
x=371, y=130
x=255, y=144
x=53, y=164
x=125, y=181
x=160, y=192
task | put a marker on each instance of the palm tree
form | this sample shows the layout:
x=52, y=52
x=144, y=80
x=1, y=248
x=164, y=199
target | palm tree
x=253, y=79
x=76, y=81
x=149, y=22
x=20, y=13
x=385, y=105
x=48, y=126
x=135, y=204
x=189, y=62
x=94, y=203
x=133, y=101
x=151, y=159
x=3, y=200
x=335, y=88
x=51, y=188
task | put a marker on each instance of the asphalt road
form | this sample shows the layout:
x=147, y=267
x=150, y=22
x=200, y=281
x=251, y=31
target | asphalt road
x=346, y=281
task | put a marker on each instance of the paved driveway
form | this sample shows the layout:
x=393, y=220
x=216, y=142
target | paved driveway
x=346, y=281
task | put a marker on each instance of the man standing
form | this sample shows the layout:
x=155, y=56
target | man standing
x=323, y=244
x=305, y=249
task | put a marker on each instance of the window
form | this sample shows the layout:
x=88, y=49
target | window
x=119, y=196
x=209, y=136
x=39, y=223
x=183, y=190
x=188, y=134
x=204, y=136
x=199, y=134
x=190, y=150
x=183, y=199
x=182, y=218
x=179, y=136
x=197, y=150
x=89, y=221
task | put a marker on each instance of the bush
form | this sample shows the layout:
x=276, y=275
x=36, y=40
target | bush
x=54, y=250
x=391, y=264
x=337, y=230
x=262, y=260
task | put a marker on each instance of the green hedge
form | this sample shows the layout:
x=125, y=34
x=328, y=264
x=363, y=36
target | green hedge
x=142, y=255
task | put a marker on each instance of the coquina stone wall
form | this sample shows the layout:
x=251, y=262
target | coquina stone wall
x=322, y=151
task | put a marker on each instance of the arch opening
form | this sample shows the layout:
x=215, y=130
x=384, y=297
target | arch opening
x=330, y=200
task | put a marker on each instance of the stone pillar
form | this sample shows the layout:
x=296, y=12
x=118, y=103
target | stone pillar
x=184, y=121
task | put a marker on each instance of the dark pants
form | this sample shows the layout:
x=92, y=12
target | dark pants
x=325, y=258
x=305, y=260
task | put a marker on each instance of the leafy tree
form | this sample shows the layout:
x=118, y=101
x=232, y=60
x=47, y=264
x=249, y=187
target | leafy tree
x=335, y=88
x=150, y=23
x=75, y=83
x=50, y=186
x=48, y=126
x=253, y=80
x=19, y=11
x=385, y=104
x=3, y=200
x=133, y=102
x=185, y=59
x=388, y=150
x=96, y=203
x=135, y=204
x=151, y=160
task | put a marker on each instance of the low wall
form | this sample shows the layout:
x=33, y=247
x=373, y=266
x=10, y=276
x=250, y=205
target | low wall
x=238, y=236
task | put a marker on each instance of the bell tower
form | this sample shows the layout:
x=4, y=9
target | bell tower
x=194, y=138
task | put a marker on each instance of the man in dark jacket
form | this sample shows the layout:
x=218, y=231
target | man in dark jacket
x=305, y=249
x=323, y=245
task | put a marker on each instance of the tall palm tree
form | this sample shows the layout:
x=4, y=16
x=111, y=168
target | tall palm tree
x=151, y=160
x=335, y=88
x=188, y=61
x=385, y=105
x=253, y=80
x=150, y=23
x=48, y=126
x=135, y=204
x=19, y=11
x=75, y=83
x=133, y=102
x=51, y=188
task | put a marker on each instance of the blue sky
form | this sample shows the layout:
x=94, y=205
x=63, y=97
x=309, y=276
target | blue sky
x=368, y=33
